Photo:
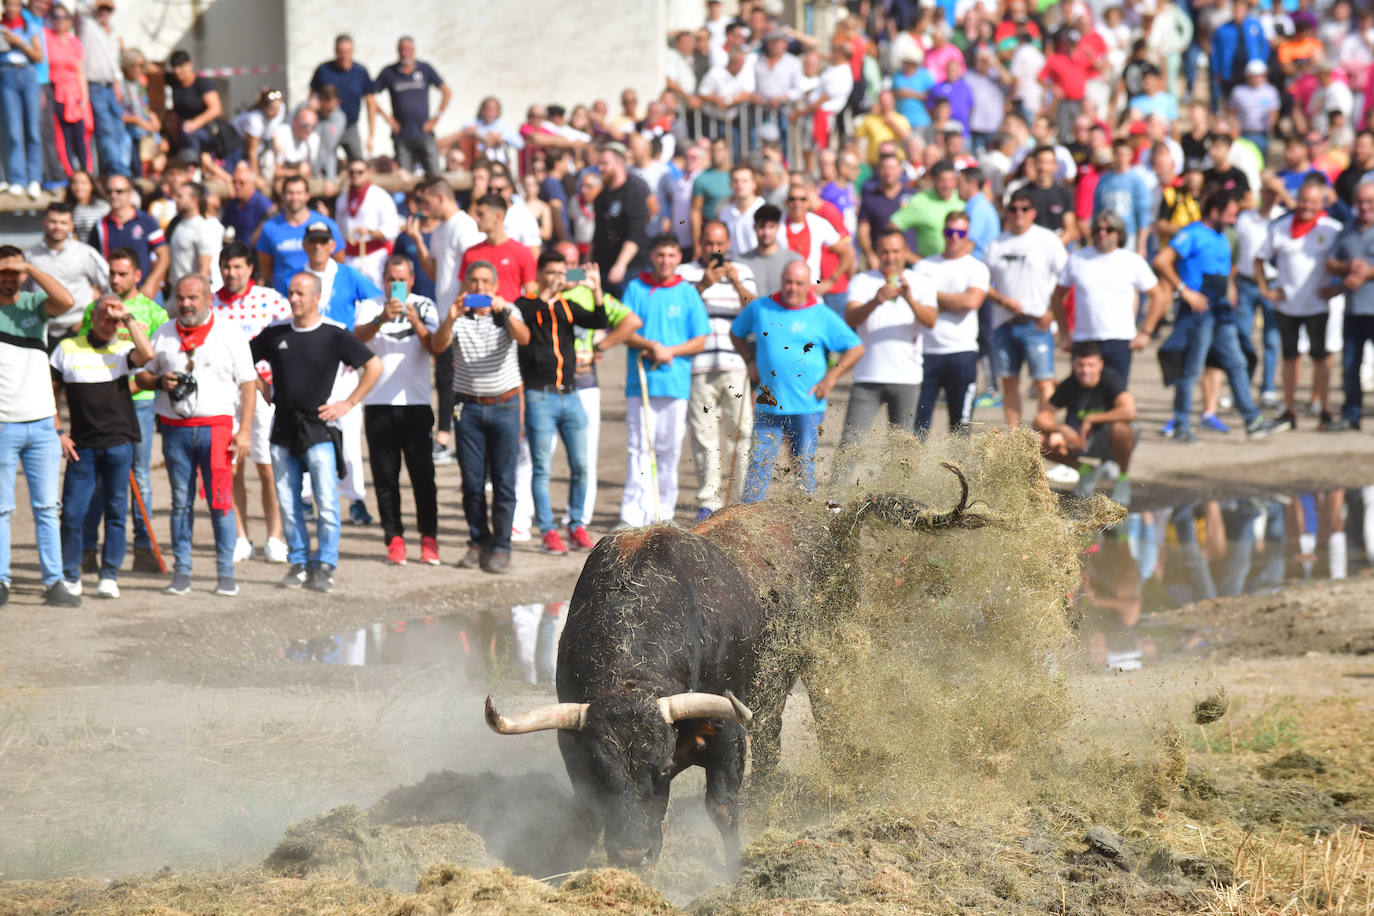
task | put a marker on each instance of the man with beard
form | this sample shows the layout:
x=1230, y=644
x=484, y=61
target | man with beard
x=281, y=241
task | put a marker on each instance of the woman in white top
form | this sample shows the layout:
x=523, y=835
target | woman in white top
x=827, y=100
x=255, y=125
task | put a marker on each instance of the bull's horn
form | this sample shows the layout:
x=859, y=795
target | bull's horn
x=704, y=706
x=571, y=716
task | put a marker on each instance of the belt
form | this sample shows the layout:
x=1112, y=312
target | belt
x=551, y=389
x=1024, y=319
x=355, y=249
x=109, y=85
x=488, y=400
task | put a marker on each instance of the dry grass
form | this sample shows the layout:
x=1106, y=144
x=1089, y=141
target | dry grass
x=1325, y=874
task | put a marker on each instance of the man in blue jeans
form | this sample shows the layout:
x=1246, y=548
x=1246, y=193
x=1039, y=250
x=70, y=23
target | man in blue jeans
x=94, y=369
x=485, y=331
x=785, y=340
x=1353, y=260
x=1197, y=263
x=548, y=364
x=305, y=354
x=28, y=430
x=203, y=373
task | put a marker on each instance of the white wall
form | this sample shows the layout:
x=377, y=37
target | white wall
x=522, y=51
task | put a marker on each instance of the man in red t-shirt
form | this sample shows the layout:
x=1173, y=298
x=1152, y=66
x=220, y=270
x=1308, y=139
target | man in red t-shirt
x=515, y=275
x=1066, y=73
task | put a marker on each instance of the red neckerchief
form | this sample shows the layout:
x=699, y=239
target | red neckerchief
x=13, y=24
x=802, y=238
x=1300, y=228
x=810, y=301
x=224, y=291
x=647, y=278
x=194, y=337
x=355, y=198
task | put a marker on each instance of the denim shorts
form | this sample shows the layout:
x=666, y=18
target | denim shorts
x=1016, y=343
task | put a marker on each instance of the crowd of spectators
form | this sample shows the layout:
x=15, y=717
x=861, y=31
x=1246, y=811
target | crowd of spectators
x=927, y=197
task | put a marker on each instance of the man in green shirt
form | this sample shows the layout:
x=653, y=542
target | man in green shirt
x=125, y=278
x=28, y=417
x=925, y=211
x=712, y=188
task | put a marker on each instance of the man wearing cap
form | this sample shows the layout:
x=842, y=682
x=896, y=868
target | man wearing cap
x=342, y=288
x=281, y=241
x=102, y=47
x=1255, y=105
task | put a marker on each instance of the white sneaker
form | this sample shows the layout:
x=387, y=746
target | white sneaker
x=276, y=551
x=73, y=587
x=520, y=535
x=1060, y=473
x=35, y=190
x=4, y=186
x=1226, y=402
x=243, y=550
x=108, y=588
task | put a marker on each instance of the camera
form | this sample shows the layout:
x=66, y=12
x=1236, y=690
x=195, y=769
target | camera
x=183, y=395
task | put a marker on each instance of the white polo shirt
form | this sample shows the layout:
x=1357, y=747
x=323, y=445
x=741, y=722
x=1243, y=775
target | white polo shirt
x=891, y=334
x=1301, y=263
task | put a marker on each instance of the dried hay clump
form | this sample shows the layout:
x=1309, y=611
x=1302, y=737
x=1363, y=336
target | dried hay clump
x=931, y=655
x=345, y=842
x=449, y=889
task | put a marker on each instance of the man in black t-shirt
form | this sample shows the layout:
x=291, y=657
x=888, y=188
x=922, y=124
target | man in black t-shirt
x=621, y=239
x=1053, y=202
x=1099, y=422
x=1223, y=175
x=305, y=355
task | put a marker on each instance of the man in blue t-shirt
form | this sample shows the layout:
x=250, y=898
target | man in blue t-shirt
x=785, y=340
x=354, y=85
x=408, y=82
x=281, y=242
x=675, y=327
x=246, y=208
x=1197, y=263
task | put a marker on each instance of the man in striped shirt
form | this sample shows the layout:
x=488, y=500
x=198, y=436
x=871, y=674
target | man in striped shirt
x=485, y=332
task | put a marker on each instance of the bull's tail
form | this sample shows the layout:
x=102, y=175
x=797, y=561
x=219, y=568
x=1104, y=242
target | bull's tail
x=902, y=512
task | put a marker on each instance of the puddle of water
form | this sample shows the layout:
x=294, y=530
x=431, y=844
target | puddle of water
x=522, y=639
x=1153, y=561
x=1164, y=558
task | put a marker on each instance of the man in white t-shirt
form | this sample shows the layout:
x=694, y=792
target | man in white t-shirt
x=368, y=219
x=888, y=307
x=718, y=402
x=951, y=344
x=738, y=214
x=397, y=418
x=198, y=421
x=1298, y=245
x=1107, y=280
x=1024, y=262
x=440, y=258
x=295, y=144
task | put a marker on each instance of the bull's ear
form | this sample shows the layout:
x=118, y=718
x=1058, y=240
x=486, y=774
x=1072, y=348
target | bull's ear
x=570, y=716
x=704, y=706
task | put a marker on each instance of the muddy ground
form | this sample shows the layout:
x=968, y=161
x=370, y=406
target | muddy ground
x=156, y=753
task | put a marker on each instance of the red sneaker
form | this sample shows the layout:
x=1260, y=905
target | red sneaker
x=429, y=551
x=553, y=543
x=396, y=551
x=581, y=540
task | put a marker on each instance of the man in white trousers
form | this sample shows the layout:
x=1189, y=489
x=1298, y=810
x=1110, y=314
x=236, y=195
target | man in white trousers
x=674, y=330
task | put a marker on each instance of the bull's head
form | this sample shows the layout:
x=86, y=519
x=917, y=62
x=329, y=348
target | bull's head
x=629, y=754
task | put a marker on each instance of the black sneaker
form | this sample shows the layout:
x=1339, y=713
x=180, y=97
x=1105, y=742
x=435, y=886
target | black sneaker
x=358, y=514
x=1286, y=421
x=322, y=580
x=4, y=593
x=145, y=561
x=295, y=578
x=58, y=595
x=180, y=585
x=1185, y=437
x=1259, y=427
x=90, y=561
x=1341, y=425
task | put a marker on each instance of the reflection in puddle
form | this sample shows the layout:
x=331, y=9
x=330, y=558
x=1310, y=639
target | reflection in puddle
x=525, y=635
x=1208, y=548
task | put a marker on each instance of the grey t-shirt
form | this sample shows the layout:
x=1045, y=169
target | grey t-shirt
x=1352, y=243
x=768, y=268
x=193, y=237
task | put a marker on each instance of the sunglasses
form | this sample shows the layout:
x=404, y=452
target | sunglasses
x=956, y=233
x=121, y=190
x=798, y=200
x=357, y=173
x=1101, y=230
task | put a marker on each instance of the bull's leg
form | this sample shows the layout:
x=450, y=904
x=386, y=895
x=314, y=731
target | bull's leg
x=723, y=758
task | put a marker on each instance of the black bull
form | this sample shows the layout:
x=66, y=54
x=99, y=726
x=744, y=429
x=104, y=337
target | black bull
x=675, y=640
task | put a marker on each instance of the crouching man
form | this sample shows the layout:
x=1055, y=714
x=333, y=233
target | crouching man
x=1099, y=422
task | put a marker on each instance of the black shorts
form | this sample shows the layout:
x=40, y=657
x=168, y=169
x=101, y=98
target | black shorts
x=1289, y=325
